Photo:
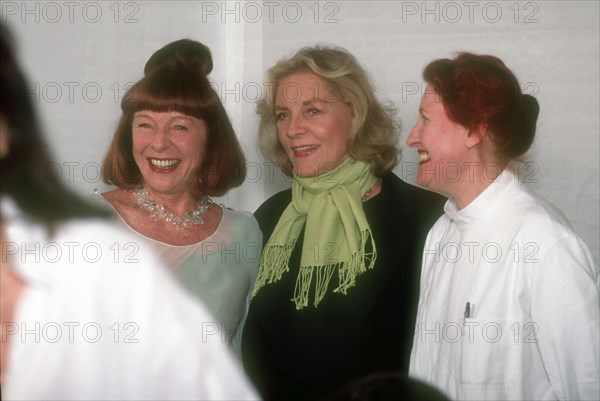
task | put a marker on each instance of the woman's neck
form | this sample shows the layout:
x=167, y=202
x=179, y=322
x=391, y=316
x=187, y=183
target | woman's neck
x=475, y=178
x=176, y=203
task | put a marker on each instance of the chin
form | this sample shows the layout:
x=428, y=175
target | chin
x=303, y=174
x=160, y=187
x=422, y=181
x=303, y=171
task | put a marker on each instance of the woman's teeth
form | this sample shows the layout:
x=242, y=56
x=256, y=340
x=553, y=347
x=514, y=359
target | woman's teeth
x=305, y=148
x=163, y=163
x=423, y=157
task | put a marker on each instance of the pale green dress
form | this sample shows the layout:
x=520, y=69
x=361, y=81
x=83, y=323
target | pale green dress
x=220, y=270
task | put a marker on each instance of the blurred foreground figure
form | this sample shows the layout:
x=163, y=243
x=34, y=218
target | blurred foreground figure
x=87, y=312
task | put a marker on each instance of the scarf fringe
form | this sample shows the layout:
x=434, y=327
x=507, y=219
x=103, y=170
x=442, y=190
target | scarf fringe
x=274, y=262
x=347, y=273
x=303, y=284
x=356, y=266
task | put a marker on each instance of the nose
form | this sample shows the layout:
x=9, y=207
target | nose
x=413, y=138
x=295, y=126
x=160, y=139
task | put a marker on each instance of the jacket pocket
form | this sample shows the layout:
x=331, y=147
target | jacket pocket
x=489, y=356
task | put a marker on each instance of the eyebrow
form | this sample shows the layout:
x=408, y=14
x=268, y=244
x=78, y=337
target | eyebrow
x=179, y=116
x=182, y=117
x=304, y=103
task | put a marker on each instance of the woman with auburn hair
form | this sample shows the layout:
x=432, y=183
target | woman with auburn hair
x=509, y=305
x=88, y=326
x=336, y=293
x=173, y=148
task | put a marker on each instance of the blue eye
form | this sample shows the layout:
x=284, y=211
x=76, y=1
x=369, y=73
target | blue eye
x=180, y=128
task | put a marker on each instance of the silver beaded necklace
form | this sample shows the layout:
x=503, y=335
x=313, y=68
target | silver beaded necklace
x=158, y=211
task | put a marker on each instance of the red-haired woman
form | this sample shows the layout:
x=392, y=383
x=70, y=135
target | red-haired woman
x=508, y=304
x=173, y=148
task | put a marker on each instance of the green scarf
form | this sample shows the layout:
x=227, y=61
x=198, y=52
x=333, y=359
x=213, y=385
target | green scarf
x=335, y=237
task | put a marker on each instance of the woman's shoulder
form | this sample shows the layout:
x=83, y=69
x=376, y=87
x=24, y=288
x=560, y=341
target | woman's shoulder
x=545, y=232
x=117, y=202
x=270, y=211
x=536, y=214
x=118, y=198
x=23, y=227
x=282, y=198
x=79, y=246
x=244, y=221
x=274, y=206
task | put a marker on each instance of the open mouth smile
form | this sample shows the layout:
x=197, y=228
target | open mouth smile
x=163, y=165
x=305, y=150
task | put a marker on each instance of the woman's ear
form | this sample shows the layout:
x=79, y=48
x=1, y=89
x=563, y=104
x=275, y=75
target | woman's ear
x=475, y=135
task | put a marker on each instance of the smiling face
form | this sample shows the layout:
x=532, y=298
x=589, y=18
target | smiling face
x=168, y=148
x=313, y=124
x=442, y=146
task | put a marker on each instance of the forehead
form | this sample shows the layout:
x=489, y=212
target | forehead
x=170, y=117
x=304, y=86
x=431, y=100
x=162, y=114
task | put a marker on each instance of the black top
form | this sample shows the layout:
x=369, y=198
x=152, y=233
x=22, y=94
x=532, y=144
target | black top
x=306, y=354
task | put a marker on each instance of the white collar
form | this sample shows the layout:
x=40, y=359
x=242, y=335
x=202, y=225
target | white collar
x=485, y=203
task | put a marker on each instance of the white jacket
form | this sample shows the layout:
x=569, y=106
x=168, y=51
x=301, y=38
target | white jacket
x=531, y=327
x=100, y=319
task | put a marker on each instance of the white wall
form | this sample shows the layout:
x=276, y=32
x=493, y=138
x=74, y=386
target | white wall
x=80, y=56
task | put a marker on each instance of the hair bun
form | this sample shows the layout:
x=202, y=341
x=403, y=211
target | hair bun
x=185, y=53
x=529, y=99
x=529, y=110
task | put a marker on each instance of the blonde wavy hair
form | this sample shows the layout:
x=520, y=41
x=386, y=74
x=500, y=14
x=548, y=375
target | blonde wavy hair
x=374, y=129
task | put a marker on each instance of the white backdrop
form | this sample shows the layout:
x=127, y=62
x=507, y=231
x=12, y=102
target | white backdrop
x=81, y=55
